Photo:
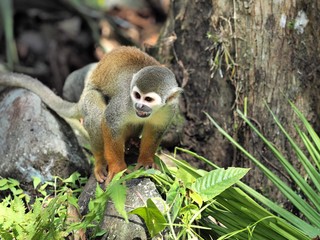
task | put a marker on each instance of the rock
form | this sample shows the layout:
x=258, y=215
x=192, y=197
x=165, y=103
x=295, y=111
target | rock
x=35, y=141
x=138, y=192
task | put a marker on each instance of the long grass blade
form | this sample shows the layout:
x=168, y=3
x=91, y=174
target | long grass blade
x=295, y=175
x=291, y=218
x=223, y=217
x=306, y=209
x=6, y=14
x=310, y=169
x=310, y=130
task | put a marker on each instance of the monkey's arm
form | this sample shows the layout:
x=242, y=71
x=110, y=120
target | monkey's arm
x=151, y=138
x=152, y=134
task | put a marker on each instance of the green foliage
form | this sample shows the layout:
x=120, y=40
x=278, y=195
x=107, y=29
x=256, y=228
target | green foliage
x=198, y=204
x=14, y=186
x=189, y=193
x=46, y=217
x=185, y=197
x=308, y=186
x=230, y=214
x=215, y=182
x=115, y=191
x=153, y=218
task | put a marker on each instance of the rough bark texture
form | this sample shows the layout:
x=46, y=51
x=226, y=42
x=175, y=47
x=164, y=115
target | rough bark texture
x=190, y=56
x=227, y=51
x=277, y=57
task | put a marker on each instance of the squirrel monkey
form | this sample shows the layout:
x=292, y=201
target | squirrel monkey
x=126, y=94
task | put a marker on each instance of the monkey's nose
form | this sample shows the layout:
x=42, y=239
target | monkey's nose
x=142, y=107
x=139, y=105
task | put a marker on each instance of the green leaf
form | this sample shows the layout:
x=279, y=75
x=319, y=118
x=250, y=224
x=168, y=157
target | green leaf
x=185, y=177
x=297, y=200
x=186, y=166
x=36, y=182
x=188, y=212
x=173, y=192
x=217, y=181
x=295, y=175
x=311, y=131
x=73, y=178
x=310, y=169
x=3, y=182
x=16, y=191
x=152, y=216
x=196, y=198
x=18, y=206
x=174, y=199
x=118, y=194
x=98, y=191
x=290, y=217
x=5, y=235
x=100, y=233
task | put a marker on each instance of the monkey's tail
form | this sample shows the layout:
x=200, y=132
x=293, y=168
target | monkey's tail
x=63, y=108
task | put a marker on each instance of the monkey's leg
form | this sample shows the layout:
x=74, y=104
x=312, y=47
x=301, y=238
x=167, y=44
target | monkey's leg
x=113, y=152
x=151, y=137
x=93, y=106
x=96, y=142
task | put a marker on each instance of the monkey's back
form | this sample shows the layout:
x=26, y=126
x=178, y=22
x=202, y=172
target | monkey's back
x=118, y=67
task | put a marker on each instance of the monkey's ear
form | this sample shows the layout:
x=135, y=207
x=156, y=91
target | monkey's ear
x=174, y=94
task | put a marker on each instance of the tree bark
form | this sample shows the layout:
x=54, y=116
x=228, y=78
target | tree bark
x=189, y=56
x=226, y=53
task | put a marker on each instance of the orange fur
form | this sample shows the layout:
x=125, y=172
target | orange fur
x=148, y=146
x=113, y=154
x=120, y=63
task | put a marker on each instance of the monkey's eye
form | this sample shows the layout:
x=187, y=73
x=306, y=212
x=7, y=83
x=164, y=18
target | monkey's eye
x=137, y=95
x=149, y=99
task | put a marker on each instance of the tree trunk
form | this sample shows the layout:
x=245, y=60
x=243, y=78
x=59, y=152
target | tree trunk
x=226, y=53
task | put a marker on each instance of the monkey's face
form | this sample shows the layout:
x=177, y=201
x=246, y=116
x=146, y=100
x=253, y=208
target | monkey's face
x=145, y=103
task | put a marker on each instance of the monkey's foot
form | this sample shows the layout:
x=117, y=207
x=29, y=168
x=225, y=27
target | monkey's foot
x=113, y=169
x=146, y=165
x=100, y=173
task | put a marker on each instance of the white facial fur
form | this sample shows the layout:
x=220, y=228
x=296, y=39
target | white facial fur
x=150, y=99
